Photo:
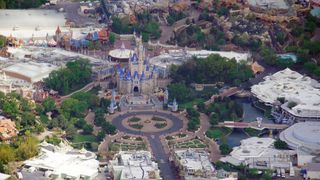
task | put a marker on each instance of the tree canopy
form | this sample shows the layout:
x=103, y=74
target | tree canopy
x=65, y=80
x=212, y=69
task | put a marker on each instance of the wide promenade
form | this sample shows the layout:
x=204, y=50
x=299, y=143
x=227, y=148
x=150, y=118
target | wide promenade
x=167, y=169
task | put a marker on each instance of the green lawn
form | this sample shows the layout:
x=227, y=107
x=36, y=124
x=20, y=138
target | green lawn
x=191, y=103
x=215, y=132
x=251, y=132
x=83, y=138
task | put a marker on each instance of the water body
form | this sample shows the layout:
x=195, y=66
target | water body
x=250, y=114
x=235, y=137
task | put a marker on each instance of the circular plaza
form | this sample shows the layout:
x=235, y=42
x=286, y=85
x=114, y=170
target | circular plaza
x=147, y=122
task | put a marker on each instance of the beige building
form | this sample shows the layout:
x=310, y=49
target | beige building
x=138, y=77
x=194, y=164
x=7, y=129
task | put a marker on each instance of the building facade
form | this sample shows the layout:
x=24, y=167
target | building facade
x=138, y=77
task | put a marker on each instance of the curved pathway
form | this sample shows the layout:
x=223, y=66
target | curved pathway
x=166, y=168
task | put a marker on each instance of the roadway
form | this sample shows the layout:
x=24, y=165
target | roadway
x=166, y=167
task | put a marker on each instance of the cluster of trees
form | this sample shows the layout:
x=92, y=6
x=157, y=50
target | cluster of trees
x=212, y=69
x=245, y=41
x=19, y=109
x=224, y=110
x=146, y=25
x=65, y=80
x=175, y=16
x=20, y=149
x=194, y=121
x=278, y=144
x=106, y=127
x=21, y=4
x=181, y=92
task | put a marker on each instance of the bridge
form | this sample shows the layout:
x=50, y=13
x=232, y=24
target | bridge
x=226, y=93
x=253, y=125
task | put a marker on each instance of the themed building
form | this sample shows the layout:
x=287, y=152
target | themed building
x=138, y=77
x=134, y=165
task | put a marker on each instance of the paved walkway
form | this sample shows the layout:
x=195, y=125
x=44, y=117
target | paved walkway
x=157, y=141
x=159, y=151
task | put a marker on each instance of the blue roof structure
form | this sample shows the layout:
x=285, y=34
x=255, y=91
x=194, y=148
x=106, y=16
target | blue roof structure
x=135, y=75
x=134, y=58
x=142, y=76
x=128, y=75
x=95, y=36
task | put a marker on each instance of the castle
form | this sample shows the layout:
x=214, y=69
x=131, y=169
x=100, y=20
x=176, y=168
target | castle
x=138, y=77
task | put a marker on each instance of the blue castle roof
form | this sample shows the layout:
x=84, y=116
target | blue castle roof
x=128, y=75
x=142, y=76
x=135, y=75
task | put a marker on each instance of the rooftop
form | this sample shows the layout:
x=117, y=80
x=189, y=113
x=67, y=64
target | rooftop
x=134, y=165
x=303, y=134
x=260, y=149
x=31, y=70
x=64, y=160
x=194, y=159
x=24, y=23
x=293, y=87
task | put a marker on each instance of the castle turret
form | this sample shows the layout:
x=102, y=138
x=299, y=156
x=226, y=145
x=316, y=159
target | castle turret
x=174, y=105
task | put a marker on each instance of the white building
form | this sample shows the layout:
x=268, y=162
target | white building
x=127, y=165
x=194, y=164
x=24, y=24
x=304, y=138
x=301, y=94
x=63, y=162
x=259, y=153
x=30, y=72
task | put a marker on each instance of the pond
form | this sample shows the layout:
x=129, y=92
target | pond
x=250, y=114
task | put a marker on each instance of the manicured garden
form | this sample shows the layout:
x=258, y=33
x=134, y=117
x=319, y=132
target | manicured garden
x=134, y=119
x=160, y=125
x=155, y=118
x=195, y=143
x=136, y=126
x=117, y=146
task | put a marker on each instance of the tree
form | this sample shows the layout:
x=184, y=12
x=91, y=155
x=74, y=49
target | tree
x=80, y=123
x=71, y=131
x=3, y=39
x=101, y=135
x=27, y=147
x=73, y=108
x=201, y=107
x=225, y=149
x=179, y=91
x=7, y=153
x=48, y=104
x=279, y=144
x=28, y=119
x=268, y=55
x=76, y=74
x=108, y=128
x=112, y=38
x=87, y=129
x=2, y=169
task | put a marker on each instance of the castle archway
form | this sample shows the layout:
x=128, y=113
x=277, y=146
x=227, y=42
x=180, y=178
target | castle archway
x=135, y=89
